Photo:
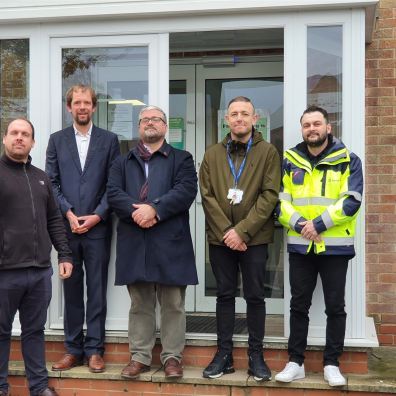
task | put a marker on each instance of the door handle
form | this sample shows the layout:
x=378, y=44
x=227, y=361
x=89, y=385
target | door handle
x=198, y=199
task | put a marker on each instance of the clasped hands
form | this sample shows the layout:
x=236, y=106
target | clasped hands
x=309, y=232
x=234, y=241
x=144, y=215
x=82, y=224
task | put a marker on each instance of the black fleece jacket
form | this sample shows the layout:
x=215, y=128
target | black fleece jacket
x=30, y=221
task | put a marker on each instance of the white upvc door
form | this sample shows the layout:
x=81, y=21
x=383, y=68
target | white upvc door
x=128, y=70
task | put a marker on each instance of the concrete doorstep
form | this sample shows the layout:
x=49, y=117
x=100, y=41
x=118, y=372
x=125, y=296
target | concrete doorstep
x=374, y=382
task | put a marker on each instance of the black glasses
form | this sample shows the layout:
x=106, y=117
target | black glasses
x=154, y=120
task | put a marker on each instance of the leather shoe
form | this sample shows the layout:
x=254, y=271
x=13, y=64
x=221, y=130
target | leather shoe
x=96, y=364
x=134, y=369
x=173, y=368
x=48, y=392
x=67, y=362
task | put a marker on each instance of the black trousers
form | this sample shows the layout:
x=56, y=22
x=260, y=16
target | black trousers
x=91, y=255
x=303, y=274
x=28, y=291
x=226, y=263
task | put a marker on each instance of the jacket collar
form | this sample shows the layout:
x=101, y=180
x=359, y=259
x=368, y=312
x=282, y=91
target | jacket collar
x=164, y=150
x=257, y=137
x=334, y=153
x=94, y=142
x=333, y=146
x=10, y=162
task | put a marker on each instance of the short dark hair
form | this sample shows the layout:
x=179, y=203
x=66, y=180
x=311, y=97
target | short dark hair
x=313, y=109
x=80, y=87
x=241, y=99
x=23, y=119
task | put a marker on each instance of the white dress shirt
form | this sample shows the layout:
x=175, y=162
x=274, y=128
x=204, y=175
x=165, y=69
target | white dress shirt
x=82, y=140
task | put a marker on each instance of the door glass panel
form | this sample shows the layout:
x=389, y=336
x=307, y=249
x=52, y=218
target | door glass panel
x=119, y=76
x=324, y=72
x=14, y=80
x=267, y=97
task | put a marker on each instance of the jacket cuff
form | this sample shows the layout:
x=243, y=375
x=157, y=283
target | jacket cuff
x=65, y=259
x=64, y=208
x=294, y=223
x=244, y=235
x=319, y=225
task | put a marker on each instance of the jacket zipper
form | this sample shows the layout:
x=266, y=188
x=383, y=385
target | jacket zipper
x=324, y=182
x=33, y=212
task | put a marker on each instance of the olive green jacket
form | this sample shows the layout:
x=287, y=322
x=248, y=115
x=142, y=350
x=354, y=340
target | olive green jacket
x=252, y=219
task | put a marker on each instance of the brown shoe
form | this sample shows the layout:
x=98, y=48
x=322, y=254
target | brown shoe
x=96, y=364
x=48, y=392
x=134, y=369
x=67, y=362
x=173, y=368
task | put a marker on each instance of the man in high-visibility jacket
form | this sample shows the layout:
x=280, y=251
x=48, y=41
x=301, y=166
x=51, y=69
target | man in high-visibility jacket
x=321, y=193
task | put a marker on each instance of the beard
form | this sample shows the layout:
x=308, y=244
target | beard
x=320, y=140
x=151, y=135
x=82, y=121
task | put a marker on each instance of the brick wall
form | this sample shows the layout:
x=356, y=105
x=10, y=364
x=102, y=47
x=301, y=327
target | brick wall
x=381, y=174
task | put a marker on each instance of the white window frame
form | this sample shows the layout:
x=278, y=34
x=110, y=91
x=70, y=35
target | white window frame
x=295, y=51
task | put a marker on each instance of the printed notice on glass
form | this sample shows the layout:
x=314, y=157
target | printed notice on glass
x=120, y=118
x=176, y=132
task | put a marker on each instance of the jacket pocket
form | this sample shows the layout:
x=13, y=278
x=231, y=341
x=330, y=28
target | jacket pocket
x=298, y=177
x=18, y=246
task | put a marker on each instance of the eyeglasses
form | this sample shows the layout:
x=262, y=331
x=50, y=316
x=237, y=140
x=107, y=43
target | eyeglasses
x=154, y=120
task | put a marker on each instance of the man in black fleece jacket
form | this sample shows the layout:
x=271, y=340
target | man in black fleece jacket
x=30, y=222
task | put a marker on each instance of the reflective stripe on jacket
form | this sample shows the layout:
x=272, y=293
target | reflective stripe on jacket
x=329, y=194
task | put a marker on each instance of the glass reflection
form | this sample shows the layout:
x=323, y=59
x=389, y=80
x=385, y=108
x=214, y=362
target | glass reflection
x=324, y=72
x=119, y=76
x=14, y=80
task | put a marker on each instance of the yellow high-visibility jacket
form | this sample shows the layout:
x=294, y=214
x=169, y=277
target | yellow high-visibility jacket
x=328, y=193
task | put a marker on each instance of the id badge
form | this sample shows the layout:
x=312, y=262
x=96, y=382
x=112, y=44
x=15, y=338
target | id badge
x=235, y=196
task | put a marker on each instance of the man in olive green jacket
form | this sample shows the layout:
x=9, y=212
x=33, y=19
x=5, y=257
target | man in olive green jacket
x=239, y=180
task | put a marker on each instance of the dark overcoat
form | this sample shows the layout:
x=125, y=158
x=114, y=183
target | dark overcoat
x=163, y=253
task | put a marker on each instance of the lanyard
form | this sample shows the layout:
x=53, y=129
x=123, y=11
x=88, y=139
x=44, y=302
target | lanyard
x=236, y=175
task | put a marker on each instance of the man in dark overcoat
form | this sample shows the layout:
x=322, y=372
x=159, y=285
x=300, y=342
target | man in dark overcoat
x=151, y=190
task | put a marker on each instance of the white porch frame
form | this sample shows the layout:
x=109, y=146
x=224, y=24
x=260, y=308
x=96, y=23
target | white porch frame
x=218, y=15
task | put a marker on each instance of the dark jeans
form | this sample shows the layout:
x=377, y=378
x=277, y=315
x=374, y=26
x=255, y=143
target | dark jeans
x=28, y=291
x=303, y=274
x=92, y=255
x=226, y=264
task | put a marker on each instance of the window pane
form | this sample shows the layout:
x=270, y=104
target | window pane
x=14, y=80
x=119, y=76
x=324, y=72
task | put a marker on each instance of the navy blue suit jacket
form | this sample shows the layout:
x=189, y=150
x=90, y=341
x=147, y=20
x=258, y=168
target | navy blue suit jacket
x=82, y=190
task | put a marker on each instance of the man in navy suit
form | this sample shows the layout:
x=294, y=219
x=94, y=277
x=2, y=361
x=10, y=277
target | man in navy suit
x=78, y=162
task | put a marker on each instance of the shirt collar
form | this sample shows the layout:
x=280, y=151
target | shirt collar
x=77, y=132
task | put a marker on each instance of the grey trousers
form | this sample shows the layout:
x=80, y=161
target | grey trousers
x=142, y=324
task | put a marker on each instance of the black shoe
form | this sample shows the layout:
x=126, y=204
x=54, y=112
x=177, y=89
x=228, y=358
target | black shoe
x=258, y=368
x=222, y=363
